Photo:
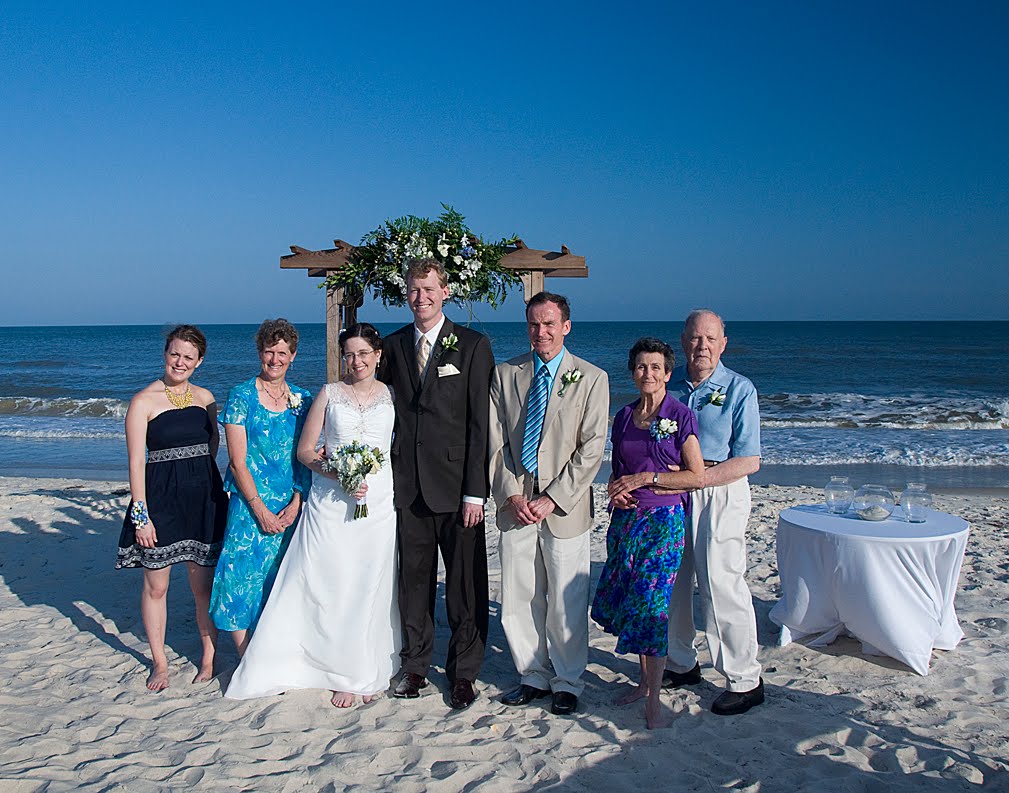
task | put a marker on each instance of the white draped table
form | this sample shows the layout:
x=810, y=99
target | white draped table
x=889, y=583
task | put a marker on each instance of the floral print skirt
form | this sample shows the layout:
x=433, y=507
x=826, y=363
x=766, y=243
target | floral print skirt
x=643, y=552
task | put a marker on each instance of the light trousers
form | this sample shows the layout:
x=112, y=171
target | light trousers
x=715, y=553
x=545, y=606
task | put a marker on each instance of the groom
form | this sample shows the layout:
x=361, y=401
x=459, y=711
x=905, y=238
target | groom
x=440, y=374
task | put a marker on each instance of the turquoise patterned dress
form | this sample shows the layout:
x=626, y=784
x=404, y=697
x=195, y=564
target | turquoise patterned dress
x=250, y=559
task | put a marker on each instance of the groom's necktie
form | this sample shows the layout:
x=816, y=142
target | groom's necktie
x=536, y=409
x=423, y=353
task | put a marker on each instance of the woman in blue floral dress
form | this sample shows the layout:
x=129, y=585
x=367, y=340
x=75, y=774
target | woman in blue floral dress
x=262, y=423
x=644, y=543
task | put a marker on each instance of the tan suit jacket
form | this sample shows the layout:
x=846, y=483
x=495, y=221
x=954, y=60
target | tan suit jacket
x=571, y=445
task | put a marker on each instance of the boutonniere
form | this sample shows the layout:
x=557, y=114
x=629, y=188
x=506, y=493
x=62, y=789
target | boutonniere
x=716, y=398
x=294, y=402
x=569, y=378
x=450, y=342
x=662, y=429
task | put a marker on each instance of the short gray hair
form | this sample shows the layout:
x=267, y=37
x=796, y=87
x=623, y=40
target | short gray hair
x=697, y=313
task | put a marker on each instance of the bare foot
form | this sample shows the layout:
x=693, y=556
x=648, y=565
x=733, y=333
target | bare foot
x=636, y=693
x=342, y=699
x=206, y=673
x=655, y=718
x=158, y=681
x=367, y=698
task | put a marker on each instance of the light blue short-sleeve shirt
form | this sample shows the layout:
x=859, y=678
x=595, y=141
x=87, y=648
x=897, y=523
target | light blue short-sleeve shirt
x=728, y=417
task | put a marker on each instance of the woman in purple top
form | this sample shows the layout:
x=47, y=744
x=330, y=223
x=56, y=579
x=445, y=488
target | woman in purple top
x=645, y=539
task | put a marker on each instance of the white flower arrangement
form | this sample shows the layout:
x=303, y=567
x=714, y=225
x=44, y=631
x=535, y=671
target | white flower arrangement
x=663, y=428
x=450, y=342
x=351, y=463
x=569, y=378
x=472, y=265
x=294, y=402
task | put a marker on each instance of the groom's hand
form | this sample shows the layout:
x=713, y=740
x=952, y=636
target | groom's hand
x=472, y=514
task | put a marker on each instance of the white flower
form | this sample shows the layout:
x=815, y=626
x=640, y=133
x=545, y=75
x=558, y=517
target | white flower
x=716, y=398
x=294, y=401
x=663, y=428
x=457, y=259
x=569, y=378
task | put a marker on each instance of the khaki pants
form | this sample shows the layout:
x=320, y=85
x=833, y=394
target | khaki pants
x=715, y=552
x=545, y=606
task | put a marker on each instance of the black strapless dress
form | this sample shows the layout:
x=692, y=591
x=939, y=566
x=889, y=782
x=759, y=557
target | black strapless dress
x=185, y=496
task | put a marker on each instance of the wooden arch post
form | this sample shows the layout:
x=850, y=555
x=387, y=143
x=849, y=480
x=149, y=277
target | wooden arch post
x=533, y=267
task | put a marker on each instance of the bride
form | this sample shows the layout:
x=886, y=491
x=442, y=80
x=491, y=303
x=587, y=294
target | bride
x=332, y=620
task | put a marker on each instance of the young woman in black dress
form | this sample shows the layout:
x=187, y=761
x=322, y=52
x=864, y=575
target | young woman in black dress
x=178, y=507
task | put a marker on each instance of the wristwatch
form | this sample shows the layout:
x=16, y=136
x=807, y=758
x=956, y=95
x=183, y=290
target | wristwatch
x=655, y=478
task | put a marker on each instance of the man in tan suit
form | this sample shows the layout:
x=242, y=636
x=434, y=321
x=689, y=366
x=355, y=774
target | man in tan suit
x=548, y=423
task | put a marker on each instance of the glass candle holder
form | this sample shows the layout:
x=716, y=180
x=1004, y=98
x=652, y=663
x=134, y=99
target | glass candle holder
x=915, y=502
x=873, y=502
x=838, y=495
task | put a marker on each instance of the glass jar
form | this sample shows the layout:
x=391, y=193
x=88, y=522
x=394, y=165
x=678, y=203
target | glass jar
x=915, y=502
x=838, y=494
x=873, y=502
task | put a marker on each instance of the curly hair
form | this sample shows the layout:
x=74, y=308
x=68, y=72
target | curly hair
x=276, y=330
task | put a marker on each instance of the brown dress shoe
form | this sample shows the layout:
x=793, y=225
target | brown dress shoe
x=462, y=694
x=409, y=686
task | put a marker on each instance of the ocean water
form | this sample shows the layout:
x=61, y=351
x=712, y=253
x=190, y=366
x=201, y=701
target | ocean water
x=890, y=400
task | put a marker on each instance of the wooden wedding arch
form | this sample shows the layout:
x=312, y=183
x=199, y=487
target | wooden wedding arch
x=533, y=267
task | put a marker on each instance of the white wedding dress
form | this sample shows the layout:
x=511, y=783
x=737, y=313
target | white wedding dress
x=332, y=620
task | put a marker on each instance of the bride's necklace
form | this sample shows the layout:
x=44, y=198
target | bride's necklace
x=368, y=399
x=182, y=400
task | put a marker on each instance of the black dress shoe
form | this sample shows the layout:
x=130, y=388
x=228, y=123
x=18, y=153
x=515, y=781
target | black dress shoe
x=462, y=694
x=524, y=694
x=565, y=703
x=671, y=679
x=730, y=703
x=409, y=686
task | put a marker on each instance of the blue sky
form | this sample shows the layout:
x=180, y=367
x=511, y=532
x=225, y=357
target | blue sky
x=803, y=160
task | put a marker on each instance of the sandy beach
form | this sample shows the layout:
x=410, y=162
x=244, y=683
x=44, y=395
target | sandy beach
x=75, y=713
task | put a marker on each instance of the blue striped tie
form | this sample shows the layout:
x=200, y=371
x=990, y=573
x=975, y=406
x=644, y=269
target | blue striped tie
x=536, y=409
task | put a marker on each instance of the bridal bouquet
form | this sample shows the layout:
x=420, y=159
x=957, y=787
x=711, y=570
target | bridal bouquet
x=351, y=463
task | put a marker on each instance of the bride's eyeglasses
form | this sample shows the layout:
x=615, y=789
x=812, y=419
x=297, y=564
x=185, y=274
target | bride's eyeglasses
x=348, y=357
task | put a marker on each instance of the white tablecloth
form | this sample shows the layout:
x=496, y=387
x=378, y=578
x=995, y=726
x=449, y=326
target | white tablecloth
x=890, y=583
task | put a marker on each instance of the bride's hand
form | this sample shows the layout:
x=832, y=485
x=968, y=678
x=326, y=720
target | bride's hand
x=362, y=491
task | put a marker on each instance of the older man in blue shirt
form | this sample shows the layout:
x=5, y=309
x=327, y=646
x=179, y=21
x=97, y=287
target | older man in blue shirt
x=729, y=431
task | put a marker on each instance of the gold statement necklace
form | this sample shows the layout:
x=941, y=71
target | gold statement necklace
x=183, y=400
